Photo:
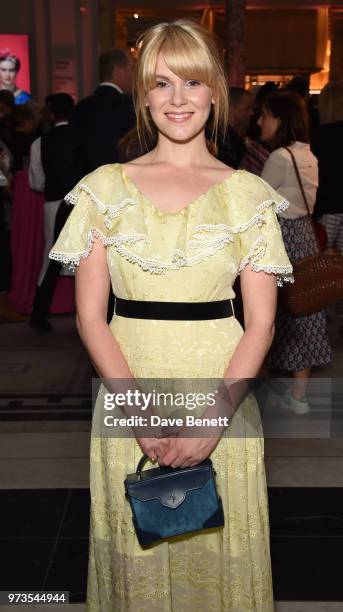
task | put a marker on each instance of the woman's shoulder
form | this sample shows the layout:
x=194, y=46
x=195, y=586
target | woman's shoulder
x=104, y=185
x=248, y=194
x=101, y=176
x=246, y=183
x=281, y=158
x=298, y=148
x=304, y=157
x=279, y=155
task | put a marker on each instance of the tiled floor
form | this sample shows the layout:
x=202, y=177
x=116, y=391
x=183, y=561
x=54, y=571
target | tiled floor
x=44, y=539
x=306, y=541
x=43, y=363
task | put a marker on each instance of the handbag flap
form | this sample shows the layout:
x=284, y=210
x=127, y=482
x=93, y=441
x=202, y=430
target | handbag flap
x=169, y=488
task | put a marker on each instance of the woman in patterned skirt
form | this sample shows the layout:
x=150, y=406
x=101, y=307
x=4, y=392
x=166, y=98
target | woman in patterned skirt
x=301, y=342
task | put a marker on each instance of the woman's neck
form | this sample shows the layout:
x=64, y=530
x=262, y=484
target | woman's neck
x=182, y=154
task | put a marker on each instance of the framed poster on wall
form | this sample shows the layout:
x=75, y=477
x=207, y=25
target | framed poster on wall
x=15, y=66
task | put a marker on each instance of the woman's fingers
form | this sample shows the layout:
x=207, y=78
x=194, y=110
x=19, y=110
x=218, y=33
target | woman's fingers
x=177, y=452
x=164, y=443
x=182, y=461
x=149, y=447
x=184, y=453
x=162, y=447
x=175, y=456
x=169, y=457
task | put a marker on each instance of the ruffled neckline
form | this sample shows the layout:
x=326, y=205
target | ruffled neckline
x=132, y=185
x=116, y=212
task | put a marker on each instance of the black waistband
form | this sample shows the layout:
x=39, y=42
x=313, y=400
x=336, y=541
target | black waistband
x=177, y=311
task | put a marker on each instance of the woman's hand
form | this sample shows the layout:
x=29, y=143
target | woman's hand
x=154, y=448
x=186, y=452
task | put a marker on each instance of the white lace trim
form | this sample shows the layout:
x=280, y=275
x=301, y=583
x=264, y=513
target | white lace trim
x=153, y=265
x=114, y=210
x=110, y=211
x=279, y=207
x=179, y=259
x=213, y=242
x=256, y=219
x=71, y=260
x=257, y=250
x=211, y=227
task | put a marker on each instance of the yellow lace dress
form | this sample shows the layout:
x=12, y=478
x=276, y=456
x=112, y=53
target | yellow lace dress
x=192, y=255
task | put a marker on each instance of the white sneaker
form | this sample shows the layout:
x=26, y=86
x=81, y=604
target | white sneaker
x=269, y=398
x=297, y=406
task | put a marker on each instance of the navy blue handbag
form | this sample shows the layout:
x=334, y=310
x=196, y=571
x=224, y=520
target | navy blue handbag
x=167, y=501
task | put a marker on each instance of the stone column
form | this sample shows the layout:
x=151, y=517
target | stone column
x=107, y=24
x=90, y=46
x=336, y=60
x=235, y=41
x=42, y=73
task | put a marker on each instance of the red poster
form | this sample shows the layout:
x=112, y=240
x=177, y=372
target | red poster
x=15, y=66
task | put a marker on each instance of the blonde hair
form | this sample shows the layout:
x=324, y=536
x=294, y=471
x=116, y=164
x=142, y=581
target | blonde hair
x=191, y=52
x=330, y=102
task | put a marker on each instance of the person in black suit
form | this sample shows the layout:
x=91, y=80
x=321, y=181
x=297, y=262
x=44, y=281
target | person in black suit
x=48, y=171
x=101, y=120
x=232, y=148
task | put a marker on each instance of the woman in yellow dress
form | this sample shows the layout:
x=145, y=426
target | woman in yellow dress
x=177, y=225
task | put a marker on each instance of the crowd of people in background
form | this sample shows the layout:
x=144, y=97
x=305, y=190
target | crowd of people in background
x=61, y=142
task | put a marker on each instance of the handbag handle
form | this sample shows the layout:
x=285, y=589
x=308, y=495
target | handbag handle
x=296, y=169
x=140, y=466
x=142, y=462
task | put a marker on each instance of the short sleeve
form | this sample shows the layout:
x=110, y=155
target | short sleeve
x=261, y=242
x=84, y=224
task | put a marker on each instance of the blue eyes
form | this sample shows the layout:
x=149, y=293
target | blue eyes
x=191, y=83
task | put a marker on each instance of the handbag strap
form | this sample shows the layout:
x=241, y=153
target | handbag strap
x=140, y=465
x=297, y=173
